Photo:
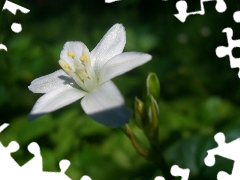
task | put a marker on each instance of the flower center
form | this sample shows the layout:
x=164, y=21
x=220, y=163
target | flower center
x=82, y=73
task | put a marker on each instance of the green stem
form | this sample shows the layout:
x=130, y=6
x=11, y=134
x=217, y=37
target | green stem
x=135, y=142
x=154, y=154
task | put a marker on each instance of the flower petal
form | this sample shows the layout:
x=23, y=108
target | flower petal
x=50, y=82
x=54, y=100
x=106, y=105
x=110, y=45
x=75, y=47
x=122, y=63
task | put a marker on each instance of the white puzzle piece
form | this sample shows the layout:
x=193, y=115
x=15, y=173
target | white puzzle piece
x=227, y=150
x=182, y=9
x=33, y=169
x=177, y=171
x=222, y=51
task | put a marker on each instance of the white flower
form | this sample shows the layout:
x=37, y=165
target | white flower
x=88, y=75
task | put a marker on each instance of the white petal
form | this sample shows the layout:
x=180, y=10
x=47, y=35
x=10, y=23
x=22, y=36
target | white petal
x=50, y=82
x=54, y=100
x=75, y=47
x=122, y=63
x=106, y=105
x=110, y=45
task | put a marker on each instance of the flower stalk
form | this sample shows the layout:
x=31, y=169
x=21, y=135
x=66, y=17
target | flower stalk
x=147, y=115
x=138, y=146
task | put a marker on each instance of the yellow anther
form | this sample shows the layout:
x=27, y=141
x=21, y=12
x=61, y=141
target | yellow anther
x=85, y=56
x=82, y=58
x=71, y=54
x=66, y=67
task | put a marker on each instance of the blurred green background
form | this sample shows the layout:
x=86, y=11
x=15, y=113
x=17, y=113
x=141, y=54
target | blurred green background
x=200, y=93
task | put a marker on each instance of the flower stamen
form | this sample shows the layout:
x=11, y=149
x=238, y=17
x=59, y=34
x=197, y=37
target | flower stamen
x=70, y=54
x=78, y=79
x=82, y=71
x=82, y=58
x=66, y=67
x=82, y=74
x=85, y=58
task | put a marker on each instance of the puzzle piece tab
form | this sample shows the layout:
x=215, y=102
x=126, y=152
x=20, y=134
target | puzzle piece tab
x=16, y=27
x=12, y=7
x=64, y=164
x=222, y=51
x=182, y=9
x=3, y=126
x=35, y=164
x=236, y=16
x=227, y=150
x=5, y=154
x=111, y=1
x=85, y=178
x=33, y=169
x=177, y=171
x=2, y=46
x=159, y=178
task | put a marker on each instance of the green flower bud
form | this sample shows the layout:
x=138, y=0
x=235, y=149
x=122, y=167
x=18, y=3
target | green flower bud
x=153, y=115
x=139, y=111
x=153, y=85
